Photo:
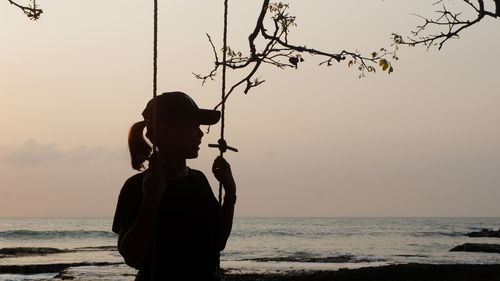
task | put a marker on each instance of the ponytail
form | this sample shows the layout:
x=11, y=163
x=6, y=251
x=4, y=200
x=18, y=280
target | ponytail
x=138, y=147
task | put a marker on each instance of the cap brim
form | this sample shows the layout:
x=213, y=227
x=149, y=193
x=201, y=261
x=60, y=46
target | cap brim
x=208, y=116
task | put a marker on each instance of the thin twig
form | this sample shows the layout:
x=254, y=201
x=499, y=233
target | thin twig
x=32, y=11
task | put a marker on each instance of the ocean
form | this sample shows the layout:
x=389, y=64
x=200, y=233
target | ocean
x=256, y=245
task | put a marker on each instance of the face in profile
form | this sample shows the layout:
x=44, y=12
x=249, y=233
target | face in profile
x=182, y=138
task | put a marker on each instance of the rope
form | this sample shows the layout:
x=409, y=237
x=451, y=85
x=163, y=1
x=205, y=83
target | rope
x=222, y=145
x=223, y=98
x=155, y=74
x=155, y=48
x=154, y=156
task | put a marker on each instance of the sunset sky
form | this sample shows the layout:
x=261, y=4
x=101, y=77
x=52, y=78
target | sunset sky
x=316, y=141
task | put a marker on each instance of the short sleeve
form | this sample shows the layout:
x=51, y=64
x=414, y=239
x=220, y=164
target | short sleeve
x=129, y=203
x=206, y=186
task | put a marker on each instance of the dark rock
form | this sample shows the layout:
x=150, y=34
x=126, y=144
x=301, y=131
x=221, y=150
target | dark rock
x=485, y=233
x=46, y=268
x=400, y=272
x=29, y=251
x=98, y=248
x=477, y=247
x=335, y=259
x=64, y=276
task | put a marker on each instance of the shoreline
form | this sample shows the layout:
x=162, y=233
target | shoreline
x=395, y=272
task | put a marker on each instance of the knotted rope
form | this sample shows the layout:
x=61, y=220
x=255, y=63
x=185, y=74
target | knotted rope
x=221, y=143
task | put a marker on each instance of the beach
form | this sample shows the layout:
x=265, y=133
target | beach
x=408, y=272
x=273, y=248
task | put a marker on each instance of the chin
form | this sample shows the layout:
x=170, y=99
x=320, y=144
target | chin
x=192, y=155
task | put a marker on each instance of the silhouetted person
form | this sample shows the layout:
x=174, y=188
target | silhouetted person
x=169, y=222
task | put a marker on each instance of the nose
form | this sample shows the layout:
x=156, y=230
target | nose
x=200, y=133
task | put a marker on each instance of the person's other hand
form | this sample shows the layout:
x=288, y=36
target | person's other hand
x=153, y=184
x=222, y=172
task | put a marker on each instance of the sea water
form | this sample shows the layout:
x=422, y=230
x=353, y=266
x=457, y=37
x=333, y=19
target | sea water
x=256, y=244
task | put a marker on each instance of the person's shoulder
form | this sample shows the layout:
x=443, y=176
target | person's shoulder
x=201, y=181
x=129, y=202
x=133, y=183
x=197, y=174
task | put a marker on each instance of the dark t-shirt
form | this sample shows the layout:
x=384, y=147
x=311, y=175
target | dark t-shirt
x=186, y=230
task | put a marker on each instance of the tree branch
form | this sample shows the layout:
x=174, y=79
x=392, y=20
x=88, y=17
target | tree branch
x=32, y=11
x=451, y=22
x=278, y=51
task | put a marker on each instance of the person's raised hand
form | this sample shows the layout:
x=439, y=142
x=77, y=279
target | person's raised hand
x=222, y=172
x=153, y=184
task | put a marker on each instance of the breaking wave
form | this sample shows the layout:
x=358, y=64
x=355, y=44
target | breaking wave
x=54, y=234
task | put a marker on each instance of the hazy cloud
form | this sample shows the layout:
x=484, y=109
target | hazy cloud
x=120, y=154
x=31, y=153
x=83, y=154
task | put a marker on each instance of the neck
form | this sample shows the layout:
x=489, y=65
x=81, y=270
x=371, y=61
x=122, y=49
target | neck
x=173, y=168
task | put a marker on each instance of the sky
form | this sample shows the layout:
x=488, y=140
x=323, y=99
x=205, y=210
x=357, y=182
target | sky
x=315, y=141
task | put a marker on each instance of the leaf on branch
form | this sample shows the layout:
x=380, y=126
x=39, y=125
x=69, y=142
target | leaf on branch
x=280, y=52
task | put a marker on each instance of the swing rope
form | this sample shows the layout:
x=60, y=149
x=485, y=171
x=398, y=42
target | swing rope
x=154, y=158
x=155, y=74
x=222, y=142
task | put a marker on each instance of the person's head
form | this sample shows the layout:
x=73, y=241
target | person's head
x=176, y=131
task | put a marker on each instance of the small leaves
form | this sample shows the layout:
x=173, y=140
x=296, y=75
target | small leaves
x=230, y=52
x=398, y=39
x=295, y=60
x=279, y=52
x=386, y=66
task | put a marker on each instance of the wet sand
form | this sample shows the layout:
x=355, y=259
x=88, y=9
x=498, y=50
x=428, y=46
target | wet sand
x=401, y=272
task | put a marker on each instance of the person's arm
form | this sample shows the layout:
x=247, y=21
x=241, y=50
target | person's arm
x=135, y=242
x=222, y=171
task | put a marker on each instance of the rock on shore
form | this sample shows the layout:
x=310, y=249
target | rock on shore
x=485, y=233
x=477, y=247
x=28, y=251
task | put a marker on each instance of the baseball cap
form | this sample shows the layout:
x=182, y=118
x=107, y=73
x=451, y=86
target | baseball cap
x=178, y=105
